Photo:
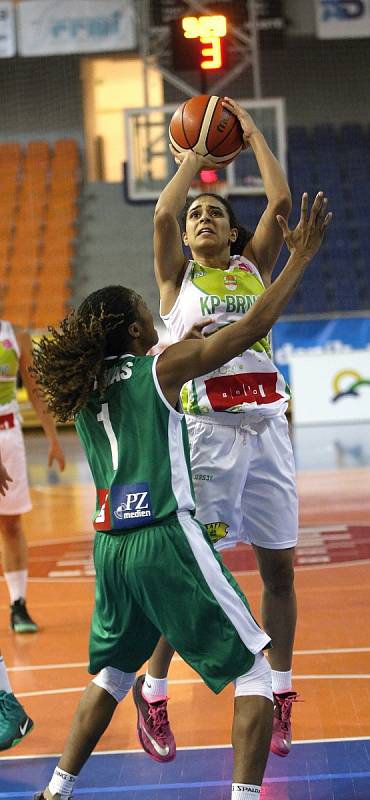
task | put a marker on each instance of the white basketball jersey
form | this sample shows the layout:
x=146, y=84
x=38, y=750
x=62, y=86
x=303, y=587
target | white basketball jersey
x=248, y=384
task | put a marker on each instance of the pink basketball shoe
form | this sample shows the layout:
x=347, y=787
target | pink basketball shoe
x=153, y=727
x=281, y=741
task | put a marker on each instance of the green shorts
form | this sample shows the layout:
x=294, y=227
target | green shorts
x=168, y=579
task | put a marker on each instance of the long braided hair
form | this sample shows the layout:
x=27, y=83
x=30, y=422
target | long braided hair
x=244, y=235
x=69, y=362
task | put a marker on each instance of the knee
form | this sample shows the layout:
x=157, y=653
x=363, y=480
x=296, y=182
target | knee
x=256, y=682
x=278, y=579
x=11, y=528
x=115, y=682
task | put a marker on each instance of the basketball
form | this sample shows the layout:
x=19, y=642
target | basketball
x=203, y=125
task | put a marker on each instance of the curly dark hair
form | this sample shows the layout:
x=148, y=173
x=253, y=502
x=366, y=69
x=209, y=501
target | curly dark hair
x=69, y=362
x=244, y=235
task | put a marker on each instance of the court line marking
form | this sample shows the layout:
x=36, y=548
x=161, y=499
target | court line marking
x=194, y=681
x=88, y=537
x=78, y=578
x=83, y=664
x=162, y=787
x=228, y=746
x=236, y=573
x=308, y=567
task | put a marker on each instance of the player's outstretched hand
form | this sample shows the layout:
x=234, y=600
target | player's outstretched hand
x=56, y=454
x=307, y=237
x=197, y=330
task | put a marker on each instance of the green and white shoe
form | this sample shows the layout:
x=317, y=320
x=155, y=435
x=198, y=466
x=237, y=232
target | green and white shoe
x=20, y=620
x=14, y=722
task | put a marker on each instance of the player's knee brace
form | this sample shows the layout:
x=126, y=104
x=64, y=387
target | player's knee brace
x=115, y=682
x=257, y=681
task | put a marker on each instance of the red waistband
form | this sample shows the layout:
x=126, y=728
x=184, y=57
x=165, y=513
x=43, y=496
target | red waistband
x=7, y=421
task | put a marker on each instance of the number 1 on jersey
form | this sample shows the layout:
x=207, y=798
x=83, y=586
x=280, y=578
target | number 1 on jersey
x=104, y=417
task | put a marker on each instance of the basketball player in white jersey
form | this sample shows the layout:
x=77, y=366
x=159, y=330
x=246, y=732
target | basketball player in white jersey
x=14, y=722
x=16, y=356
x=241, y=455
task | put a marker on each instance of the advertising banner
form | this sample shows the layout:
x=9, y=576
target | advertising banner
x=52, y=27
x=318, y=337
x=342, y=19
x=331, y=388
x=7, y=29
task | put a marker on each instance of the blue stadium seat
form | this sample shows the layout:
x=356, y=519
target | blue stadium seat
x=352, y=135
x=298, y=138
x=336, y=161
x=324, y=137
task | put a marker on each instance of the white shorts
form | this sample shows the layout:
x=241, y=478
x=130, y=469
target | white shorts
x=244, y=481
x=17, y=499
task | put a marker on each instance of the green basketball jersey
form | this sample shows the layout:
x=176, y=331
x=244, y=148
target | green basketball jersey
x=137, y=448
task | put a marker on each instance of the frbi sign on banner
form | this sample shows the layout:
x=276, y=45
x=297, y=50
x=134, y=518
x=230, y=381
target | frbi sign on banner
x=52, y=27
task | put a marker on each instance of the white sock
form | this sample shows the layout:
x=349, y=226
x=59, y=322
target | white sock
x=281, y=681
x=62, y=783
x=4, y=680
x=16, y=583
x=154, y=688
x=245, y=791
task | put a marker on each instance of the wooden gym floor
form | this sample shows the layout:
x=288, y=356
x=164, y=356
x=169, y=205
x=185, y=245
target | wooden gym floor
x=331, y=757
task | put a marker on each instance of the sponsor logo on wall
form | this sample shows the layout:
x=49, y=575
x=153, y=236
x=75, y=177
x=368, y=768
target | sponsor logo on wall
x=7, y=29
x=338, y=19
x=51, y=27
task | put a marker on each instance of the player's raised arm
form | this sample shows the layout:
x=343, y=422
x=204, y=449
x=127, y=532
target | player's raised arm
x=264, y=246
x=169, y=258
x=189, y=359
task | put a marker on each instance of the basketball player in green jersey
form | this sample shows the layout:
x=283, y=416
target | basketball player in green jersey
x=241, y=455
x=156, y=567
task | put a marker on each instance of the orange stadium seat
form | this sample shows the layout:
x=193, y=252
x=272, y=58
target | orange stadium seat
x=50, y=314
x=66, y=166
x=29, y=229
x=4, y=268
x=33, y=192
x=69, y=161
x=17, y=280
x=9, y=175
x=61, y=208
x=38, y=151
x=38, y=211
x=34, y=182
x=66, y=148
x=63, y=192
x=55, y=228
x=24, y=247
x=4, y=250
x=20, y=314
x=57, y=246
x=23, y=262
x=6, y=228
x=55, y=284
x=13, y=297
x=10, y=153
x=9, y=196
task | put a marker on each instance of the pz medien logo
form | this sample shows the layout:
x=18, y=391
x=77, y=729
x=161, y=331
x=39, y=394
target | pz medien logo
x=342, y=9
x=132, y=505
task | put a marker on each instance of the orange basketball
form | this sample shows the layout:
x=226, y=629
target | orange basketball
x=203, y=125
